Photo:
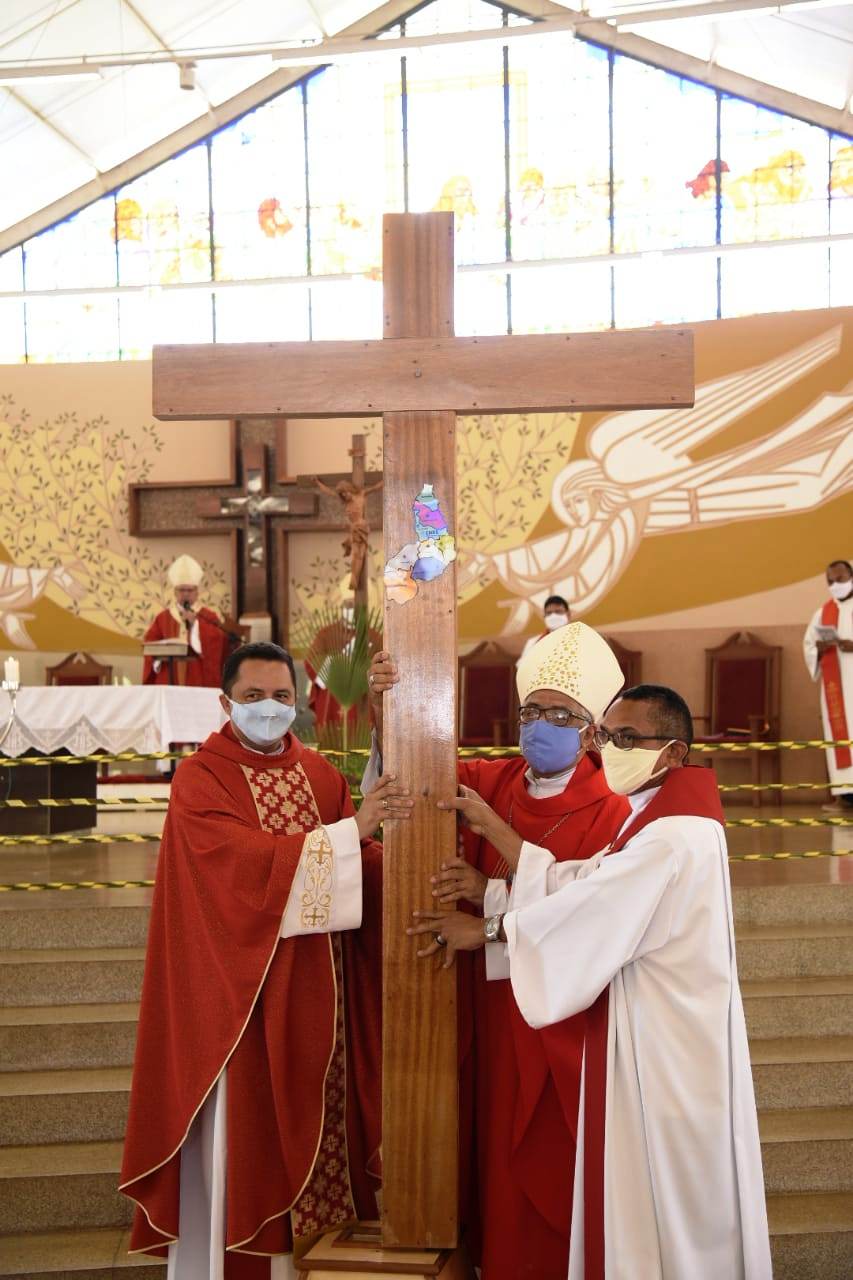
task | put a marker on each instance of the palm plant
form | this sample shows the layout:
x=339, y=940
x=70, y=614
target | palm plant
x=339, y=644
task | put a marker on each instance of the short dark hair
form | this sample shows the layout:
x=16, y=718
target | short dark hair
x=264, y=650
x=670, y=712
x=847, y=565
x=557, y=600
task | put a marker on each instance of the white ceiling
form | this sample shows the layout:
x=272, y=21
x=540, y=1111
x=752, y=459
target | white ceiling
x=63, y=137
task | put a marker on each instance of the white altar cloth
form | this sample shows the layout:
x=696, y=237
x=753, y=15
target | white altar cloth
x=86, y=718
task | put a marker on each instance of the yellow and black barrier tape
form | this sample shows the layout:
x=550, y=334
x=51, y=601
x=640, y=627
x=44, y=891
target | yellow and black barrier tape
x=25, y=886
x=789, y=822
x=480, y=753
x=84, y=838
x=76, y=802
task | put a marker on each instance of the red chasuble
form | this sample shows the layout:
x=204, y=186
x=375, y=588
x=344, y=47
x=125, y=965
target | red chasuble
x=205, y=671
x=526, y=1083
x=296, y=1020
x=690, y=792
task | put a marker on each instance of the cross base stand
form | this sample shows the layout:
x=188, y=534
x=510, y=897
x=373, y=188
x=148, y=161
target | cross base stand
x=357, y=1252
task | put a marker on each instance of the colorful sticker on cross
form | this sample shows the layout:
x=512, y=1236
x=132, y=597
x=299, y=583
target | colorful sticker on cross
x=426, y=559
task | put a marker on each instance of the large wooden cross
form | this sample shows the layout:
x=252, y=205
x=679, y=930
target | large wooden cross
x=420, y=377
x=259, y=505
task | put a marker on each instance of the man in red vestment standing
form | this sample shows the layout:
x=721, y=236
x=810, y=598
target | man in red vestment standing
x=525, y=1083
x=185, y=619
x=254, y=1116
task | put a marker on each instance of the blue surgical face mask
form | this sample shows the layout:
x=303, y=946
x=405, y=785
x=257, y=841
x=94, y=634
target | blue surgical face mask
x=263, y=722
x=549, y=748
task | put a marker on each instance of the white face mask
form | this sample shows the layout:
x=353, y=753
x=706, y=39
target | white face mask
x=263, y=722
x=553, y=621
x=627, y=771
x=841, y=590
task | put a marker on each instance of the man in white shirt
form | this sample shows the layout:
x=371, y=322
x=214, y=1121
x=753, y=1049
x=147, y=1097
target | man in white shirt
x=668, y=1182
x=828, y=649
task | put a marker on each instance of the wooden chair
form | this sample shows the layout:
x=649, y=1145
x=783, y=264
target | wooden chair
x=630, y=660
x=488, y=703
x=78, y=668
x=743, y=682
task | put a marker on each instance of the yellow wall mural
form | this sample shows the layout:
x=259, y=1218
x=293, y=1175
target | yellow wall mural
x=652, y=512
x=630, y=515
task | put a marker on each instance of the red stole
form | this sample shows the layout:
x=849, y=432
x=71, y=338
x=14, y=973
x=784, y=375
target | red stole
x=830, y=670
x=222, y=987
x=526, y=1083
x=687, y=792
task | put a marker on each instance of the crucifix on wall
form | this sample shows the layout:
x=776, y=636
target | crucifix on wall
x=419, y=377
x=259, y=505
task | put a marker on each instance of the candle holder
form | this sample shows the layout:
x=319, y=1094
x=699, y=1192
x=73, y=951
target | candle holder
x=11, y=687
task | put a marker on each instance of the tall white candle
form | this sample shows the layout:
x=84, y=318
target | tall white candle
x=12, y=671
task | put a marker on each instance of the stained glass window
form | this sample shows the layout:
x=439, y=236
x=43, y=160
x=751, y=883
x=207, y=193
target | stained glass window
x=665, y=290
x=72, y=328
x=480, y=303
x=163, y=223
x=841, y=184
x=80, y=252
x=789, y=278
x=561, y=299
x=12, y=345
x=343, y=309
x=559, y=148
x=262, y=313
x=456, y=144
x=453, y=15
x=258, y=187
x=161, y=316
x=775, y=172
x=664, y=141
x=355, y=163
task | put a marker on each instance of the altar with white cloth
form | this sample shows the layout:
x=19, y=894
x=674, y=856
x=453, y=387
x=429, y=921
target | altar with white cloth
x=81, y=720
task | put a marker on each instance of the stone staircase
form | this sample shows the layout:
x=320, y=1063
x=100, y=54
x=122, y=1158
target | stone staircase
x=69, y=981
x=795, y=956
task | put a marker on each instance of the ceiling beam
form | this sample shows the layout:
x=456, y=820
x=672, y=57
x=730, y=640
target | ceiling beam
x=215, y=118
x=839, y=119
x=32, y=110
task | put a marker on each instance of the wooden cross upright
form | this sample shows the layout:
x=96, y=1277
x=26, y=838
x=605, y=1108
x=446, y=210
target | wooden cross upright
x=420, y=377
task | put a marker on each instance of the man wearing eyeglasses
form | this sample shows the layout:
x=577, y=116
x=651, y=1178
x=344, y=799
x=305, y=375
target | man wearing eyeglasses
x=668, y=1182
x=523, y=1085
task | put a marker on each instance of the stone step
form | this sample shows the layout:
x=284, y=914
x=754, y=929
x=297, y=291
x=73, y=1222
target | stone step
x=807, y=1150
x=793, y=904
x=64, y=1106
x=777, y=1007
x=811, y=1236
x=77, y=919
x=70, y=1184
x=794, y=951
x=96, y=1254
x=53, y=1037
x=802, y=1071
x=103, y=975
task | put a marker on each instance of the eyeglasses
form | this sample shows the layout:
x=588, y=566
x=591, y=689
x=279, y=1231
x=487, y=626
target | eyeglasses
x=559, y=716
x=625, y=739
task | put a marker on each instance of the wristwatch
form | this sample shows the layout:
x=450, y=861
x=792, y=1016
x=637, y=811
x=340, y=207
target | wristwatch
x=492, y=927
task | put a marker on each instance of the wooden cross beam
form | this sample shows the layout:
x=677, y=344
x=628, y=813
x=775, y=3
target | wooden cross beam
x=420, y=376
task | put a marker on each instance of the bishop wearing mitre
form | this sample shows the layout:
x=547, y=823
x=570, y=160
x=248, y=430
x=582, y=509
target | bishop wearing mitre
x=185, y=619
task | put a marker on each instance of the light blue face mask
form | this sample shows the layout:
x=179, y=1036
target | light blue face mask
x=263, y=722
x=549, y=748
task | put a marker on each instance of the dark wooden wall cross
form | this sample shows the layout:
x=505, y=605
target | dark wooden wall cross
x=259, y=505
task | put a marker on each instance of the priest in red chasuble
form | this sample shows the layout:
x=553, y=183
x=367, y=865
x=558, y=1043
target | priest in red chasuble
x=524, y=1085
x=255, y=1109
x=186, y=619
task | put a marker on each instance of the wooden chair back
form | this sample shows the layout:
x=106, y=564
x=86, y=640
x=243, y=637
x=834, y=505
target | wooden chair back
x=488, y=703
x=630, y=660
x=78, y=668
x=743, y=687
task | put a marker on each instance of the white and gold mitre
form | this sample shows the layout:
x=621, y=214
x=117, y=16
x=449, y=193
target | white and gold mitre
x=574, y=660
x=185, y=572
